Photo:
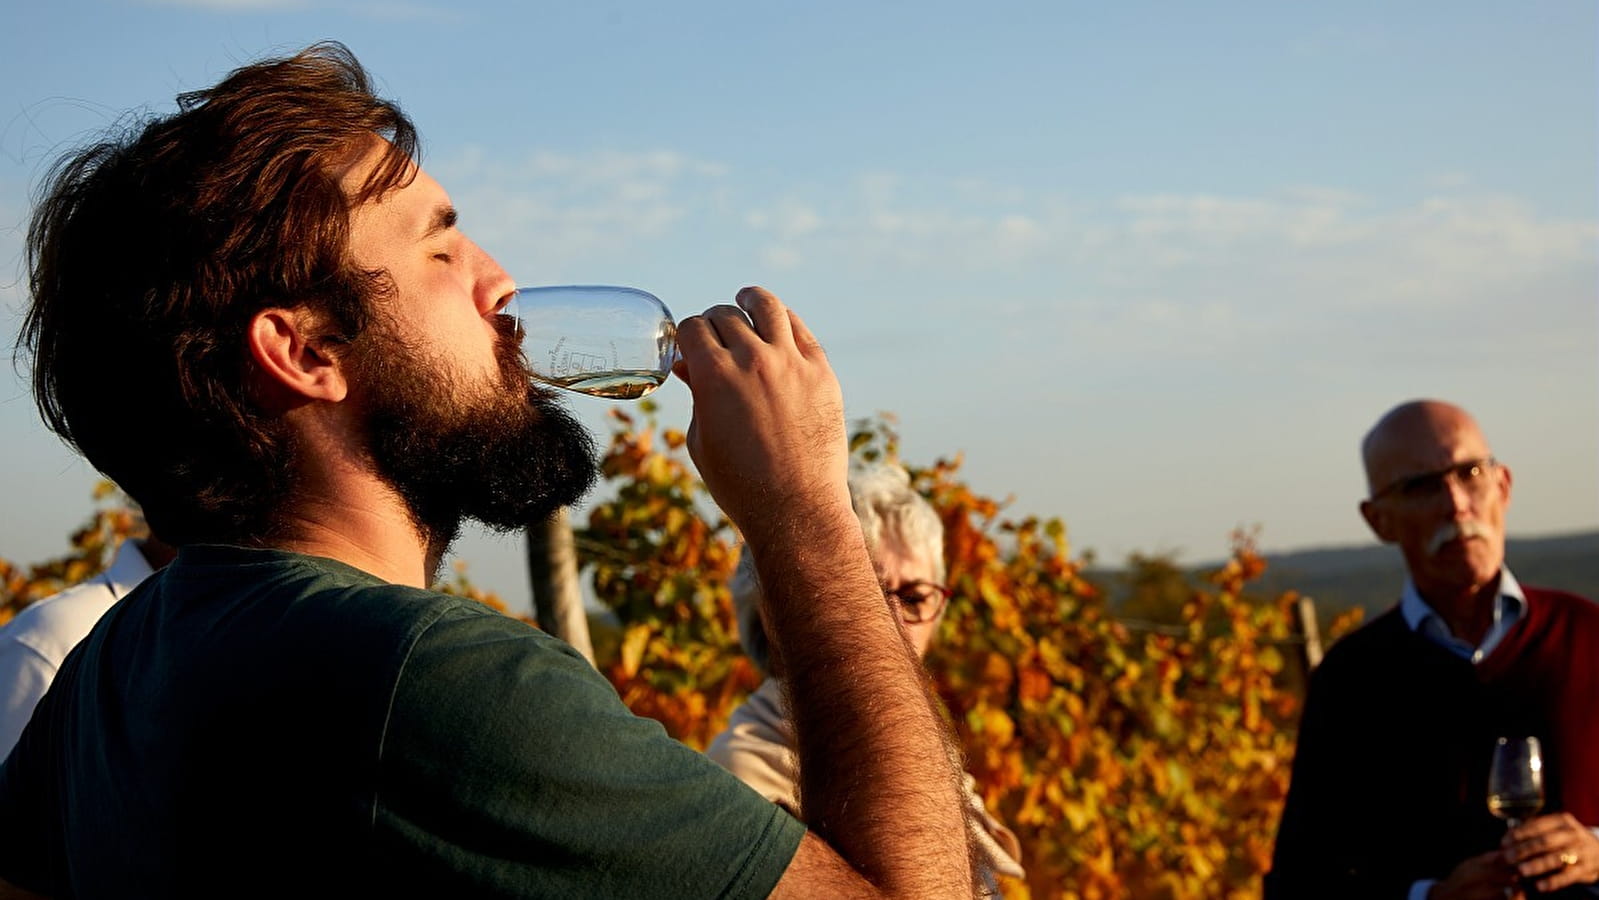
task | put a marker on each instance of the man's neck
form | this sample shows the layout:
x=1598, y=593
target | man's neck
x=1467, y=611
x=156, y=553
x=342, y=510
x=360, y=536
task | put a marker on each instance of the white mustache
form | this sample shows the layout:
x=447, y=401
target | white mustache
x=1450, y=531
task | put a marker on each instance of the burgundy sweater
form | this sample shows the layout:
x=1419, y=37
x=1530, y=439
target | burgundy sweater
x=1390, y=777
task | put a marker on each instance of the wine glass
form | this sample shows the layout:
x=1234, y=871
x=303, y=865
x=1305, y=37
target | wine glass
x=1515, y=780
x=601, y=340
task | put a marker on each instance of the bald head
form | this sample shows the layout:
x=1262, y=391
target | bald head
x=1437, y=492
x=1419, y=436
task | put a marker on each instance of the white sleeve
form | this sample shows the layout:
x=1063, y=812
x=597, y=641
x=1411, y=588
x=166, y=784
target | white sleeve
x=24, y=677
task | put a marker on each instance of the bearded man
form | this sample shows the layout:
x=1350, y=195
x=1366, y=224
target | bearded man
x=1389, y=790
x=259, y=317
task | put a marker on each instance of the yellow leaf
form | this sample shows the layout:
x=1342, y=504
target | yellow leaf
x=633, y=644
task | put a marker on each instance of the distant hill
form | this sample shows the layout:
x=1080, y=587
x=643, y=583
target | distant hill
x=1371, y=577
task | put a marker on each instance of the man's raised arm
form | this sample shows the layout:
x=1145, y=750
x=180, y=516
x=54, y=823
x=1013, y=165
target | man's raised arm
x=876, y=763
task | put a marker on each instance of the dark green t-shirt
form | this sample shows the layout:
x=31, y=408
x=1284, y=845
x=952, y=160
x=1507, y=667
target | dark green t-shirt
x=256, y=722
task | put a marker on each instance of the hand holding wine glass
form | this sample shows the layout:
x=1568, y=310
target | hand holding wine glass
x=1553, y=851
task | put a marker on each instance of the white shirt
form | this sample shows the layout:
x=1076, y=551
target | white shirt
x=758, y=746
x=33, y=644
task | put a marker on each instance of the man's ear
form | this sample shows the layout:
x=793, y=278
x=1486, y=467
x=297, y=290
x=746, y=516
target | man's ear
x=282, y=343
x=1377, y=520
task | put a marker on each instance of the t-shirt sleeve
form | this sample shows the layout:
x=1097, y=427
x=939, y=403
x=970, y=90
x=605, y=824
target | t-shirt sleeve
x=27, y=817
x=759, y=759
x=509, y=767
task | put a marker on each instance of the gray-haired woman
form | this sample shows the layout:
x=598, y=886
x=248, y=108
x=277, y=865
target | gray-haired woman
x=906, y=541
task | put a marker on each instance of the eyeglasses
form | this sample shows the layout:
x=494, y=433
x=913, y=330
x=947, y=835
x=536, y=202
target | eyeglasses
x=919, y=601
x=1471, y=475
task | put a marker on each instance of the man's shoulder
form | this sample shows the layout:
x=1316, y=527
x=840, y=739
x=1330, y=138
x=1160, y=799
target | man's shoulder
x=1372, y=638
x=1366, y=658
x=53, y=626
x=305, y=583
x=270, y=597
x=1563, y=599
x=1572, y=610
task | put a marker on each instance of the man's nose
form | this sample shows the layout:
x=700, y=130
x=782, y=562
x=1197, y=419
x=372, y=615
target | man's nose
x=494, y=287
x=1458, y=494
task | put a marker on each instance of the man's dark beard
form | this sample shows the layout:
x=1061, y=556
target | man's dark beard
x=507, y=457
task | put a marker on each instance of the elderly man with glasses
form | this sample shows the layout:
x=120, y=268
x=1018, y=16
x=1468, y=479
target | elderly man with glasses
x=1390, y=780
x=906, y=542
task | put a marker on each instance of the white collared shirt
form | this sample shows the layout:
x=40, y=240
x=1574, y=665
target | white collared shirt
x=33, y=644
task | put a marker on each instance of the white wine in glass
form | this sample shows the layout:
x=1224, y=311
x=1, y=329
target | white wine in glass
x=1515, y=780
x=605, y=341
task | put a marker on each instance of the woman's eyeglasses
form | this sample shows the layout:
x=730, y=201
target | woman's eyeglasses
x=919, y=601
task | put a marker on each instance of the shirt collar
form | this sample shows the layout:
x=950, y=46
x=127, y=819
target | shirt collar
x=1425, y=621
x=127, y=569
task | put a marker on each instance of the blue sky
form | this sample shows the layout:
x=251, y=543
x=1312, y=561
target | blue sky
x=1153, y=267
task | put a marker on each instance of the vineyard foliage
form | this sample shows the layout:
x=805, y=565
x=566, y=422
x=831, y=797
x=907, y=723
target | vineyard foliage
x=1144, y=763
x=1142, y=760
x=89, y=550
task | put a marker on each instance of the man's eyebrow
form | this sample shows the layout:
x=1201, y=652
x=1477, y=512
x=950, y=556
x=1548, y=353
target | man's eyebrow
x=443, y=219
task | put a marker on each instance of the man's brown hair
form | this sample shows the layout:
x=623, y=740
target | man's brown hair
x=148, y=255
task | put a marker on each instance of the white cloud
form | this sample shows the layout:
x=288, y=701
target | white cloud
x=399, y=11
x=227, y=6
x=547, y=210
x=610, y=166
x=781, y=258
x=1447, y=181
x=1198, y=276
x=1459, y=238
x=380, y=10
x=1184, y=275
x=1214, y=220
x=787, y=222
